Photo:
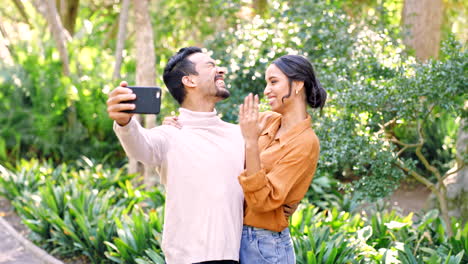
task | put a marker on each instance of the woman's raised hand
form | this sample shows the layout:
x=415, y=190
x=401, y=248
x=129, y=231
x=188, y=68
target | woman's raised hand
x=248, y=118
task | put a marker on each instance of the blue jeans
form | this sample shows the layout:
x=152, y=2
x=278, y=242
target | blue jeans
x=261, y=246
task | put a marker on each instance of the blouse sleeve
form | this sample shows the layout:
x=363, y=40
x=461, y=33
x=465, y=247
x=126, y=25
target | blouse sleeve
x=268, y=191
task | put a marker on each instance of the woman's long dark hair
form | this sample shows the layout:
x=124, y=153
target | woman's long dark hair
x=298, y=68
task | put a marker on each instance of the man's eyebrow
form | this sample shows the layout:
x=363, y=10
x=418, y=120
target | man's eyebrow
x=211, y=62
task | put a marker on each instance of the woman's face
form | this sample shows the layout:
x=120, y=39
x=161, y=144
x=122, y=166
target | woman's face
x=277, y=87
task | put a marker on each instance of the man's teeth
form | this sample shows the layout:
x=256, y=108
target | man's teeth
x=219, y=82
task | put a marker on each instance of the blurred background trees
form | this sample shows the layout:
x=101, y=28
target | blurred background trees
x=395, y=70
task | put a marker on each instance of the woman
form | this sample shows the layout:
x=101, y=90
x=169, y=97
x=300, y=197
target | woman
x=281, y=157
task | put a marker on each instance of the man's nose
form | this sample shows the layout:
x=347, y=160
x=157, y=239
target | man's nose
x=221, y=70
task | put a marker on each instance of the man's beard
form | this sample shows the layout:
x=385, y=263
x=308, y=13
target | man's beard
x=222, y=93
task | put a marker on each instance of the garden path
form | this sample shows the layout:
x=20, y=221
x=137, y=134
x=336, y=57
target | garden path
x=408, y=199
x=12, y=251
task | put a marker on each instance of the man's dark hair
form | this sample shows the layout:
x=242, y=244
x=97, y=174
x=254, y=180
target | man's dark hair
x=177, y=67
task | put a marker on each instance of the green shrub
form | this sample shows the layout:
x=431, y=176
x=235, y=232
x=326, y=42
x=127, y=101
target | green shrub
x=139, y=236
x=376, y=91
x=374, y=236
x=48, y=115
x=96, y=212
x=74, y=211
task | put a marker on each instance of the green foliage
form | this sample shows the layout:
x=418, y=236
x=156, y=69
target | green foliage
x=370, y=81
x=137, y=234
x=77, y=211
x=326, y=192
x=315, y=241
x=26, y=179
x=93, y=211
x=376, y=92
x=47, y=116
x=376, y=236
x=355, y=48
x=309, y=29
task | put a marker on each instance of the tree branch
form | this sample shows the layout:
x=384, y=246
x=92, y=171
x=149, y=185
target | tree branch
x=421, y=156
x=121, y=38
x=401, y=151
x=406, y=145
x=6, y=14
x=7, y=45
x=417, y=176
x=384, y=126
x=60, y=34
x=19, y=5
x=453, y=172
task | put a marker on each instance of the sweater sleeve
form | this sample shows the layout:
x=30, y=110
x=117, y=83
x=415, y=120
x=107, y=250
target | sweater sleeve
x=268, y=191
x=148, y=146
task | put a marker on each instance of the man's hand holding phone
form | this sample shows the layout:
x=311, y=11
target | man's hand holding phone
x=115, y=104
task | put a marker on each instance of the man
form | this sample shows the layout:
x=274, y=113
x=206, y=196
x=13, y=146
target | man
x=199, y=164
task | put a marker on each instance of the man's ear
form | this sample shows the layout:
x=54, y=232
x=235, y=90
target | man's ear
x=188, y=82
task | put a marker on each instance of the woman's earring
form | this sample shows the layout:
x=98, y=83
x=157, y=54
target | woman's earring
x=297, y=91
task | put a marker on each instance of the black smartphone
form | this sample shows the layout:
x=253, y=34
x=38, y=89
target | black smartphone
x=148, y=100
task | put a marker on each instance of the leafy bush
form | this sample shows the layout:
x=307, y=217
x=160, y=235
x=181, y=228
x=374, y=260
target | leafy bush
x=77, y=211
x=139, y=236
x=376, y=91
x=96, y=212
x=374, y=236
x=47, y=115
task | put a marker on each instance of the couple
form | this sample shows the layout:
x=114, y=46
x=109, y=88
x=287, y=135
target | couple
x=227, y=186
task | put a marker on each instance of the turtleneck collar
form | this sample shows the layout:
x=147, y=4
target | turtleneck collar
x=192, y=118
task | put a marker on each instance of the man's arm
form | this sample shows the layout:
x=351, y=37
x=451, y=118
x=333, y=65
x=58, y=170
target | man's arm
x=145, y=145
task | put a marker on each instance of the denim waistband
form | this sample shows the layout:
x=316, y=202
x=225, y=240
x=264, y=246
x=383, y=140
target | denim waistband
x=264, y=232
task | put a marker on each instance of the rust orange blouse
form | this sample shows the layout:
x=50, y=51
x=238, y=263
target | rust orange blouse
x=288, y=166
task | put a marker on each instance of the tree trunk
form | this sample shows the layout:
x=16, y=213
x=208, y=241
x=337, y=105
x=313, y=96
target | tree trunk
x=438, y=188
x=422, y=20
x=457, y=181
x=145, y=68
x=68, y=11
x=19, y=5
x=443, y=205
x=49, y=10
x=260, y=7
x=121, y=38
x=71, y=13
x=6, y=51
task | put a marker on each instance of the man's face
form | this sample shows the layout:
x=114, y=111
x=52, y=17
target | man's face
x=210, y=78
